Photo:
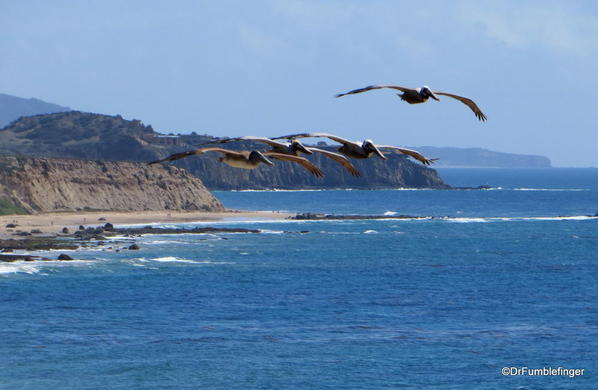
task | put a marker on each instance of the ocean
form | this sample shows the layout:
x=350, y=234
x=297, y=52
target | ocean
x=506, y=277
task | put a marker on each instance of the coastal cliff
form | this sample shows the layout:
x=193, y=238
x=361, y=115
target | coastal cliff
x=112, y=138
x=32, y=185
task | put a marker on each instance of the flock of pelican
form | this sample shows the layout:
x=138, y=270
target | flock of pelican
x=291, y=149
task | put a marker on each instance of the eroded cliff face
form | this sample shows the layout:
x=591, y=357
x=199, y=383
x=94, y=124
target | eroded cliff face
x=47, y=184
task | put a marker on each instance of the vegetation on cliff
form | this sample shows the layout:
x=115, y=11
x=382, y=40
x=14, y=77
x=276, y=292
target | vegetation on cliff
x=112, y=138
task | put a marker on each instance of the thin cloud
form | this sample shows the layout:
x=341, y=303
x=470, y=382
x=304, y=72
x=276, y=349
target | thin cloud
x=551, y=25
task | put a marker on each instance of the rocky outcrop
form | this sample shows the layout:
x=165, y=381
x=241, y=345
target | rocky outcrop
x=102, y=137
x=46, y=185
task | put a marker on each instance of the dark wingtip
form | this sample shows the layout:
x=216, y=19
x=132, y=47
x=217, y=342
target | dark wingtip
x=339, y=95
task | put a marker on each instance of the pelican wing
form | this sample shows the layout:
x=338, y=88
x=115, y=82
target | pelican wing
x=371, y=87
x=178, y=156
x=416, y=155
x=316, y=135
x=339, y=158
x=468, y=102
x=296, y=159
x=264, y=140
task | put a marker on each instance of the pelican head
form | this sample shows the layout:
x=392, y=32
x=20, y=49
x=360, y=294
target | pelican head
x=369, y=147
x=258, y=156
x=296, y=145
x=427, y=93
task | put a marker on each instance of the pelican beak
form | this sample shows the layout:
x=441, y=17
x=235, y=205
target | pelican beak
x=263, y=159
x=433, y=96
x=299, y=146
x=378, y=152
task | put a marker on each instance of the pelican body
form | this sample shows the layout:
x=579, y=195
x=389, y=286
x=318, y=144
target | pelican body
x=246, y=159
x=295, y=148
x=364, y=150
x=421, y=95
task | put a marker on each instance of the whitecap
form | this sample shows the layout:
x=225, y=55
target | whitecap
x=389, y=213
x=370, y=232
x=268, y=231
x=550, y=189
x=169, y=259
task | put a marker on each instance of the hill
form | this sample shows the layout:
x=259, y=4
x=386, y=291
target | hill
x=112, y=138
x=13, y=107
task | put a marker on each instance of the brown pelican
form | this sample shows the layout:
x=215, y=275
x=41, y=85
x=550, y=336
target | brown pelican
x=294, y=148
x=421, y=95
x=246, y=159
x=366, y=149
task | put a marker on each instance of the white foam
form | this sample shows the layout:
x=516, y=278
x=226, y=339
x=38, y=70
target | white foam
x=267, y=231
x=465, y=220
x=515, y=219
x=169, y=259
x=390, y=213
x=33, y=267
x=370, y=232
x=550, y=189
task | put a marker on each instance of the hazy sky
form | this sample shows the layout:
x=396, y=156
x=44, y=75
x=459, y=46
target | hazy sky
x=272, y=67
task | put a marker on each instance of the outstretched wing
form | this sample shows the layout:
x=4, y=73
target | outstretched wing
x=296, y=159
x=371, y=87
x=178, y=156
x=339, y=158
x=264, y=140
x=415, y=154
x=468, y=102
x=245, y=138
x=316, y=135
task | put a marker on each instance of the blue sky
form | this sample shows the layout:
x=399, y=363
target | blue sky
x=272, y=67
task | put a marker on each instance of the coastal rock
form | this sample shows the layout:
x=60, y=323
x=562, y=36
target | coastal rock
x=11, y=225
x=62, y=256
x=49, y=185
x=65, y=230
x=134, y=247
x=108, y=227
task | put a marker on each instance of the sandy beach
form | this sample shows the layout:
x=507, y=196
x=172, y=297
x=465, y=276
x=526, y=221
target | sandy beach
x=55, y=222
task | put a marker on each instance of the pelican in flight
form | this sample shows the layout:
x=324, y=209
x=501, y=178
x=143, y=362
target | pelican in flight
x=246, y=159
x=294, y=148
x=366, y=149
x=421, y=95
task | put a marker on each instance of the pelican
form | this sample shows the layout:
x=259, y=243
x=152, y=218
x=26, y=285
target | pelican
x=366, y=149
x=246, y=159
x=421, y=95
x=295, y=147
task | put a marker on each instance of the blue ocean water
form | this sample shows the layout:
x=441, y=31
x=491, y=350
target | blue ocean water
x=507, y=279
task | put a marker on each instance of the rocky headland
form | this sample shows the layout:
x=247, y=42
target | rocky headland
x=111, y=138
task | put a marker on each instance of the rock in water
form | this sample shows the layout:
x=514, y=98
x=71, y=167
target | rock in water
x=62, y=256
x=134, y=247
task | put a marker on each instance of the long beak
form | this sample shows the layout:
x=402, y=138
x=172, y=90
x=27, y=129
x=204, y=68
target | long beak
x=265, y=160
x=379, y=153
x=433, y=95
x=303, y=149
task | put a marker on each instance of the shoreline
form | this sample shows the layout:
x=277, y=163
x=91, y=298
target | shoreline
x=53, y=223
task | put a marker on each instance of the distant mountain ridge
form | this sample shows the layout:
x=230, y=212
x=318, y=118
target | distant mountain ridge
x=14, y=107
x=482, y=158
x=89, y=136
